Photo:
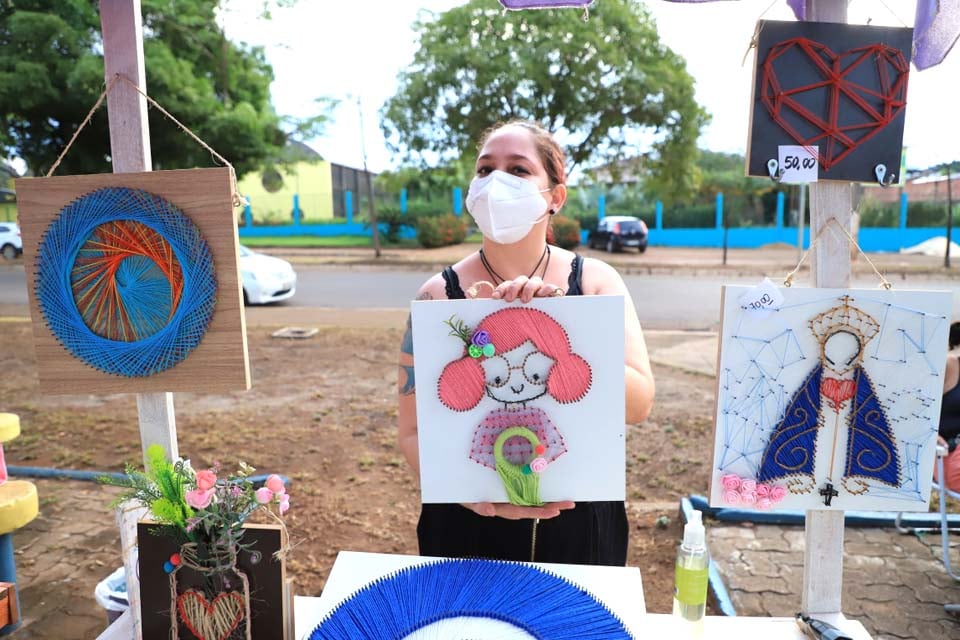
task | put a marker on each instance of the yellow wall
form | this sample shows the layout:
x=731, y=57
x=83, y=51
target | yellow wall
x=311, y=180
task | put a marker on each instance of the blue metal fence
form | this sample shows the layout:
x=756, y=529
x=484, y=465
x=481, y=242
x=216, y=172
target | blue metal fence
x=869, y=238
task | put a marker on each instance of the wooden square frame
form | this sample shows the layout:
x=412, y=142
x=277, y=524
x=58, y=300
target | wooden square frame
x=219, y=362
x=765, y=135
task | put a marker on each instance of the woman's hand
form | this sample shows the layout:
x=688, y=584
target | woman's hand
x=526, y=289
x=516, y=512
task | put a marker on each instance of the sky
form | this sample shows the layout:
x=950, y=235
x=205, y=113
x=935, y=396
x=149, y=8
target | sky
x=354, y=49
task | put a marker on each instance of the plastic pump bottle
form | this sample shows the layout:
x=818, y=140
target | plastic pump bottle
x=693, y=562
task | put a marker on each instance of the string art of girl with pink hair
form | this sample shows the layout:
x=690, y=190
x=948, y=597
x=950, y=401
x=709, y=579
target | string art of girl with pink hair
x=515, y=356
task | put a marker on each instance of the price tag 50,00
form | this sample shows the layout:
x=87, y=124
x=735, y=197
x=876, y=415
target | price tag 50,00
x=798, y=164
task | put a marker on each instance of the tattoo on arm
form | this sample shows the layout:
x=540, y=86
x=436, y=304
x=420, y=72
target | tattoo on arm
x=409, y=386
x=407, y=345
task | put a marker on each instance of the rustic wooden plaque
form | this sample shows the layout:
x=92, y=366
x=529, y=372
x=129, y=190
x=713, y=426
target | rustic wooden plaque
x=219, y=362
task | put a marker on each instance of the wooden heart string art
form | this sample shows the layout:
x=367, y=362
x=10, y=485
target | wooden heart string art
x=858, y=93
x=211, y=619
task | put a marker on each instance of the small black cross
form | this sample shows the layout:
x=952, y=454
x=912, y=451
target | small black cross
x=828, y=493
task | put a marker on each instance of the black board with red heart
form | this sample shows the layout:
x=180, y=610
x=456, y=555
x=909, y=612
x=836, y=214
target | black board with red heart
x=839, y=87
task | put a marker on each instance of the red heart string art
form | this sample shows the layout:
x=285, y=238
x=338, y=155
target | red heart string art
x=857, y=94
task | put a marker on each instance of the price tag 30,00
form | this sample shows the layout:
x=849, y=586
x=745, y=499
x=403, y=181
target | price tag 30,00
x=762, y=300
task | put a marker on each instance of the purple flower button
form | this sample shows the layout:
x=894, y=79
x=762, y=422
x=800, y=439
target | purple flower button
x=480, y=338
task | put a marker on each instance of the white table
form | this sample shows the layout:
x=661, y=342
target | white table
x=619, y=588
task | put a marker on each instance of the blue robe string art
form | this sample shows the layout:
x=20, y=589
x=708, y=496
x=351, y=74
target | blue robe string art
x=834, y=410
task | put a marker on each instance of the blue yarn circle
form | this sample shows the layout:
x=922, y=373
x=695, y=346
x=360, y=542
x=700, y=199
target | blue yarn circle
x=165, y=344
x=541, y=604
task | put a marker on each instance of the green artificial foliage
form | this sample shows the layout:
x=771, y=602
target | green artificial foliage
x=162, y=486
x=51, y=73
x=599, y=81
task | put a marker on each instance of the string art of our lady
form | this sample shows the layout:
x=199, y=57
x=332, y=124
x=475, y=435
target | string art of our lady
x=838, y=391
x=839, y=413
x=125, y=281
x=515, y=356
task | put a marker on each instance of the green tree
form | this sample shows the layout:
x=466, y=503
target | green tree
x=51, y=73
x=597, y=82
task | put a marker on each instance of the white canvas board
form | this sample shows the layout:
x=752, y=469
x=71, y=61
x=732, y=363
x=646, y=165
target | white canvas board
x=879, y=358
x=592, y=467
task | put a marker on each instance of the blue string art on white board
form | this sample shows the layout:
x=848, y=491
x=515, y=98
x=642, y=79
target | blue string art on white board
x=534, y=601
x=125, y=281
x=762, y=391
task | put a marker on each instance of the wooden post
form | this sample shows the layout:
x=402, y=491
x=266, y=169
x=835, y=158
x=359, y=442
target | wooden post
x=130, y=151
x=823, y=553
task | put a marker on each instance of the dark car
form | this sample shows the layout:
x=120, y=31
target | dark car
x=613, y=233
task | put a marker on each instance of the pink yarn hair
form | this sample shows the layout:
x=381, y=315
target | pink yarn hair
x=462, y=384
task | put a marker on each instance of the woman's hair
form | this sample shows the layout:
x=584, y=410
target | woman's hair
x=954, y=339
x=551, y=153
x=462, y=384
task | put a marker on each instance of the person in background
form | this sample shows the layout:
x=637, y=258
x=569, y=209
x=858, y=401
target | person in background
x=949, y=431
x=520, y=183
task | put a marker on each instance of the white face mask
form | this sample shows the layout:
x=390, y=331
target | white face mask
x=505, y=207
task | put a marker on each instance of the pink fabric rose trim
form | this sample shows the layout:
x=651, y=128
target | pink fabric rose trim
x=749, y=492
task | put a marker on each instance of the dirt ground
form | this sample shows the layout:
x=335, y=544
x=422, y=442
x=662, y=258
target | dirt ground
x=322, y=412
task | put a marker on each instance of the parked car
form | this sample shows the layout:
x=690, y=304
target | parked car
x=265, y=278
x=613, y=233
x=11, y=244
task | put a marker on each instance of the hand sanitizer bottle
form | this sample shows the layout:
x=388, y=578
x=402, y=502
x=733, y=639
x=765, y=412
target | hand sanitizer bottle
x=693, y=561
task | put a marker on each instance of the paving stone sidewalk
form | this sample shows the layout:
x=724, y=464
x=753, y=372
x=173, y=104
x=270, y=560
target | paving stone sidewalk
x=893, y=583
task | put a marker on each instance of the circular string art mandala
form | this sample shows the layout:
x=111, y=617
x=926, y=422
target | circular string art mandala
x=125, y=281
x=431, y=600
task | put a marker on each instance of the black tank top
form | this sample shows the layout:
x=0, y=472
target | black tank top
x=950, y=413
x=574, y=280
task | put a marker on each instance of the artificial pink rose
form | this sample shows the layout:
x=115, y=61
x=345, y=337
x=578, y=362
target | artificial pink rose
x=763, y=491
x=730, y=482
x=748, y=485
x=263, y=495
x=538, y=465
x=199, y=499
x=284, y=504
x=764, y=503
x=748, y=498
x=275, y=483
x=778, y=493
x=206, y=479
x=731, y=497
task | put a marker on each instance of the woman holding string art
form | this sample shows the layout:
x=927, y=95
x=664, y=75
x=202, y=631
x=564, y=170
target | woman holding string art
x=520, y=183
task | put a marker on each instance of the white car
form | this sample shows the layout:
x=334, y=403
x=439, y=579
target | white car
x=11, y=244
x=265, y=278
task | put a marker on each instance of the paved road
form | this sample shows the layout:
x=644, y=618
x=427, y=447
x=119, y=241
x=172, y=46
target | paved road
x=663, y=301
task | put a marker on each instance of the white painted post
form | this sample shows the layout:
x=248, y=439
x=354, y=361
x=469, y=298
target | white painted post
x=823, y=553
x=130, y=151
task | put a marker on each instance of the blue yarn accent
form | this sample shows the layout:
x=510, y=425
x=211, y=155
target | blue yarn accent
x=791, y=447
x=871, y=448
x=163, y=346
x=540, y=603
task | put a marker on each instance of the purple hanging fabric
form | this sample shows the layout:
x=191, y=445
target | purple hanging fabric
x=935, y=31
x=544, y=4
x=799, y=8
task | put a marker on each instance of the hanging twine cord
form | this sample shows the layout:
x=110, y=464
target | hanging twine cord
x=83, y=124
x=756, y=34
x=238, y=199
x=788, y=281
